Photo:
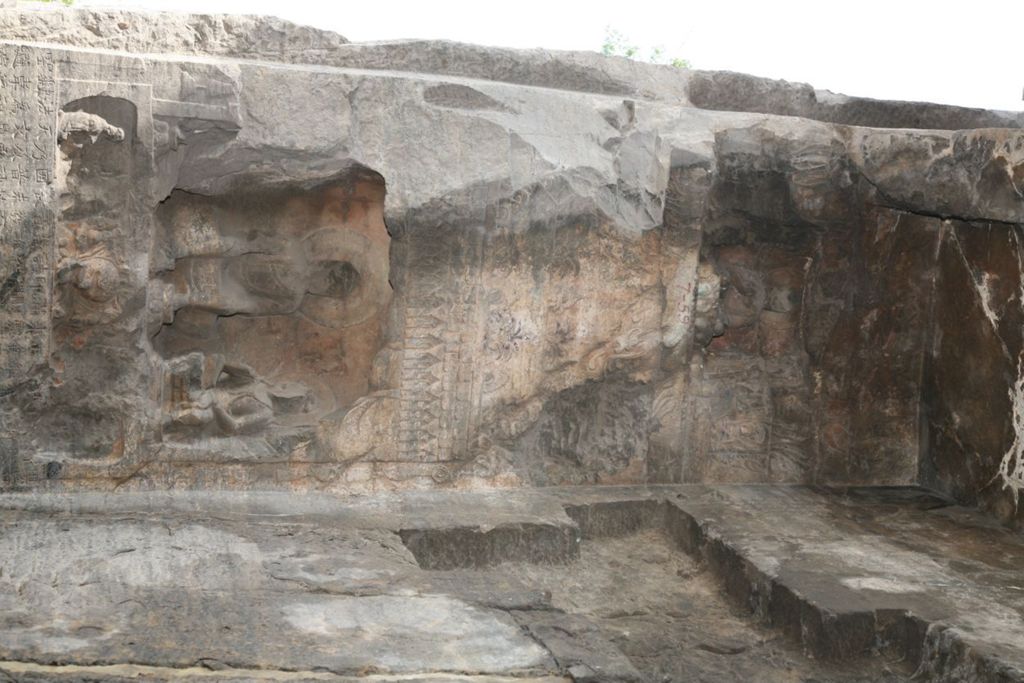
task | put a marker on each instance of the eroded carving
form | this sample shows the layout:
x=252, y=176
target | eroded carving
x=272, y=306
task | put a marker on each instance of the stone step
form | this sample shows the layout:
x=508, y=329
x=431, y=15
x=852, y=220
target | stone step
x=29, y=672
x=852, y=573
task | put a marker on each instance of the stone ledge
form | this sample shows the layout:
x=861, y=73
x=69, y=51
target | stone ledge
x=848, y=573
x=793, y=560
x=267, y=38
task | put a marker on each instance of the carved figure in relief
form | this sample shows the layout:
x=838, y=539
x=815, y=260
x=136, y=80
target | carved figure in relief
x=206, y=393
x=71, y=122
x=87, y=271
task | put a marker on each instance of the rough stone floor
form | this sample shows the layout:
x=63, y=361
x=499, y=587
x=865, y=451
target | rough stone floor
x=690, y=583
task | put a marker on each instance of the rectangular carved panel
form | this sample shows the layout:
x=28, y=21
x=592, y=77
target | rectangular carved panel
x=27, y=152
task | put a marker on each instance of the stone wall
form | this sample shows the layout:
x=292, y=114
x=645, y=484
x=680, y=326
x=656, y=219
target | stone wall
x=222, y=273
x=970, y=391
x=972, y=387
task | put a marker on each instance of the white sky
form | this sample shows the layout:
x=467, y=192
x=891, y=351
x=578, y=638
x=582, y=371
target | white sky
x=967, y=52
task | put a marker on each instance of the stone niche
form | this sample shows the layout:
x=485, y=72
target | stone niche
x=266, y=310
x=96, y=383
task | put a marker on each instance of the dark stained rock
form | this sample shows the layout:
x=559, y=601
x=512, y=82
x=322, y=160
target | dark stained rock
x=729, y=91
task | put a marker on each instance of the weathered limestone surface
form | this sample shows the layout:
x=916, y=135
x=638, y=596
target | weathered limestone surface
x=729, y=91
x=238, y=36
x=239, y=253
x=659, y=583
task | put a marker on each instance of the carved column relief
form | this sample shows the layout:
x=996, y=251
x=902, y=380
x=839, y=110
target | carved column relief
x=436, y=405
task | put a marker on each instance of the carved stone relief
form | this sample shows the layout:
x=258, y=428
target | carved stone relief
x=204, y=283
x=272, y=307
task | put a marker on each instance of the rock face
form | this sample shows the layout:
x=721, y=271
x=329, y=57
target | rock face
x=240, y=37
x=286, y=261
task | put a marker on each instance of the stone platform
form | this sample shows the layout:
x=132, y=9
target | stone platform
x=666, y=583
